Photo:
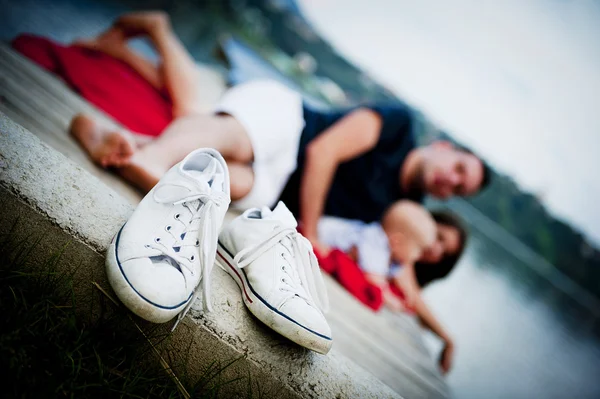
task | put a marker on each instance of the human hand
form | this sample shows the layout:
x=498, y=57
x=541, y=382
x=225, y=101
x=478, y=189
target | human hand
x=446, y=357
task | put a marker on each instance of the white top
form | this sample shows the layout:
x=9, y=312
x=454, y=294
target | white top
x=369, y=238
x=273, y=118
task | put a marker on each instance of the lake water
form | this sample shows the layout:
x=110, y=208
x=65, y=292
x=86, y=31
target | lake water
x=517, y=334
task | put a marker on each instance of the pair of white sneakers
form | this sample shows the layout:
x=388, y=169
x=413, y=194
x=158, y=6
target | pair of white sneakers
x=161, y=259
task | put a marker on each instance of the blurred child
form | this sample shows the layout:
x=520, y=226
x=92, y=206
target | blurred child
x=388, y=250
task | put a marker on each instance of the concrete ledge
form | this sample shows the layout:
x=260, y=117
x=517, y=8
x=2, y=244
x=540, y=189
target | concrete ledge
x=43, y=188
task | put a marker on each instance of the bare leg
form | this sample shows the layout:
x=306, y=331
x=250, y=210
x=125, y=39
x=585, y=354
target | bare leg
x=178, y=70
x=223, y=133
x=146, y=165
x=114, y=43
x=241, y=178
x=142, y=161
x=178, y=73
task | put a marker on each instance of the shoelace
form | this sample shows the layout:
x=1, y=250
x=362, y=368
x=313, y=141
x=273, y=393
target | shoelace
x=292, y=283
x=308, y=270
x=206, y=213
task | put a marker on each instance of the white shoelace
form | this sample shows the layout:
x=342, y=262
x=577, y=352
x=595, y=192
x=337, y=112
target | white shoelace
x=205, y=213
x=308, y=269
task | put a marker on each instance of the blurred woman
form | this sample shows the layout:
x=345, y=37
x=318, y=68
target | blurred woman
x=378, y=249
x=435, y=264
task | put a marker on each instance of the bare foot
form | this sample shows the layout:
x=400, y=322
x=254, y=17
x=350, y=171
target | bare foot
x=104, y=146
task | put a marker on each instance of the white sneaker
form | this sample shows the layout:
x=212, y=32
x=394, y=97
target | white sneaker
x=278, y=275
x=158, y=259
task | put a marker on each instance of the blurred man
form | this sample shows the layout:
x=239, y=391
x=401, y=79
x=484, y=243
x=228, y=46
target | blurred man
x=356, y=164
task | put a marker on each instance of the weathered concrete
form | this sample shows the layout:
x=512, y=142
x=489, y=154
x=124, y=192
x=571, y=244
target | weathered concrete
x=36, y=180
x=189, y=349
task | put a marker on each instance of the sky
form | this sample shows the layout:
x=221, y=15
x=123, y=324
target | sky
x=518, y=81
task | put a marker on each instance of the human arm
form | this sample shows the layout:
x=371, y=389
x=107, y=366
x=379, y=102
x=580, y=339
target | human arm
x=406, y=281
x=353, y=135
x=429, y=320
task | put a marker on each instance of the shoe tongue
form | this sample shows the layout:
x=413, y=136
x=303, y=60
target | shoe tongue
x=215, y=175
x=210, y=176
x=211, y=168
x=282, y=214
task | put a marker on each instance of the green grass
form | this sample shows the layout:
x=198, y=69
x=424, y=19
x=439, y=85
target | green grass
x=47, y=350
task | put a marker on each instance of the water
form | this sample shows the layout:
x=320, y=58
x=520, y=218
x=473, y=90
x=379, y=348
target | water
x=517, y=334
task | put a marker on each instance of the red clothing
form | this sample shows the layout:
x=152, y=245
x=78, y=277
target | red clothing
x=350, y=276
x=341, y=267
x=104, y=81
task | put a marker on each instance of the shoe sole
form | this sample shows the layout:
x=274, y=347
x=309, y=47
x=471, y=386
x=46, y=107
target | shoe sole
x=266, y=313
x=130, y=297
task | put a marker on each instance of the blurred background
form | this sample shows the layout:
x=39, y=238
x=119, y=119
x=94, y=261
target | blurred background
x=516, y=81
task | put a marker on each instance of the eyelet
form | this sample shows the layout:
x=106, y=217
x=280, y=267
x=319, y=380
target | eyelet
x=168, y=228
x=177, y=216
x=283, y=268
x=146, y=246
x=157, y=239
x=197, y=243
x=282, y=280
x=192, y=258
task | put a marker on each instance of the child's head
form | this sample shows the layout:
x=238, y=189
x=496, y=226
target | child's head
x=439, y=260
x=410, y=230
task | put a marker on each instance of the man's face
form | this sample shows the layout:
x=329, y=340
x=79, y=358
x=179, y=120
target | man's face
x=447, y=171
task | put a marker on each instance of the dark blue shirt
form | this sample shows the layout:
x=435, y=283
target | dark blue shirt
x=364, y=187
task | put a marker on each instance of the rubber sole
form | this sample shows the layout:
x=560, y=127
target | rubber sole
x=132, y=299
x=270, y=316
